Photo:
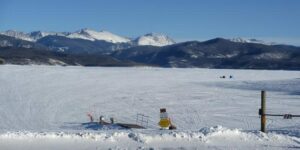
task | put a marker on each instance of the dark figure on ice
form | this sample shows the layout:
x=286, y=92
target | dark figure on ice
x=222, y=77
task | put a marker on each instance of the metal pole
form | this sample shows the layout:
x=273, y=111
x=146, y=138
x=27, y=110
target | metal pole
x=142, y=121
x=263, y=112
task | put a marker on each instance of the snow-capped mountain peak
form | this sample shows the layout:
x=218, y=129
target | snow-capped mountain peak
x=243, y=40
x=92, y=35
x=17, y=35
x=154, y=39
x=239, y=40
x=40, y=34
x=32, y=36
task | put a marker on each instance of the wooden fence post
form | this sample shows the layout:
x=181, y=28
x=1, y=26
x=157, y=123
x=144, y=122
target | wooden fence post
x=263, y=112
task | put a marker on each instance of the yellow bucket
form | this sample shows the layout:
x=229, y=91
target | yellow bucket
x=164, y=123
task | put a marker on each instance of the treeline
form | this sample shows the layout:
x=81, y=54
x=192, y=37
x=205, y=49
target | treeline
x=2, y=61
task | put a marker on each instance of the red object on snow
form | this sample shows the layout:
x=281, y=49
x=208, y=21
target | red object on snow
x=91, y=117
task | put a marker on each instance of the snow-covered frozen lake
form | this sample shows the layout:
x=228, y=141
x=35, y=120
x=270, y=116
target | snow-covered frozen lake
x=43, y=107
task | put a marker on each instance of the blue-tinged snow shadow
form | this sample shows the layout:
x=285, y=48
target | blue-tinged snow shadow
x=97, y=126
x=91, y=126
x=293, y=131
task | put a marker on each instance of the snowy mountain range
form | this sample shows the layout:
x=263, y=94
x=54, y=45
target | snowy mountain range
x=101, y=48
x=153, y=39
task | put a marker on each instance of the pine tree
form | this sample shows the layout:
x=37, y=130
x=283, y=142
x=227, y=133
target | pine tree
x=2, y=61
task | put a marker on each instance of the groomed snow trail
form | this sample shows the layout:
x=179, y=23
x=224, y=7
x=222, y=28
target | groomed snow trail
x=39, y=103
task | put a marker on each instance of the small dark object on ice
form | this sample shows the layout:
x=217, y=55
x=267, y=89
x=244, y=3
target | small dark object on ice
x=130, y=126
x=172, y=127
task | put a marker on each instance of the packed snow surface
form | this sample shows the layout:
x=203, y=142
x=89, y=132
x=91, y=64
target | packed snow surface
x=45, y=107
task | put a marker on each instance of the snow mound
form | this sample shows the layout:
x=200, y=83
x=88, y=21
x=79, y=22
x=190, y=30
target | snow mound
x=206, y=138
x=154, y=39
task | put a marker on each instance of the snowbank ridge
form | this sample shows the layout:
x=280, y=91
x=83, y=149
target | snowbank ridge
x=217, y=136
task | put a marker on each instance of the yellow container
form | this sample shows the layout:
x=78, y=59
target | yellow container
x=164, y=123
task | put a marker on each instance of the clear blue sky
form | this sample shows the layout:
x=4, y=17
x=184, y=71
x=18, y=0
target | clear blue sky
x=273, y=20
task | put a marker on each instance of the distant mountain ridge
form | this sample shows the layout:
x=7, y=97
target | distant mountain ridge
x=215, y=53
x=93, y=35
x=58, y=49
